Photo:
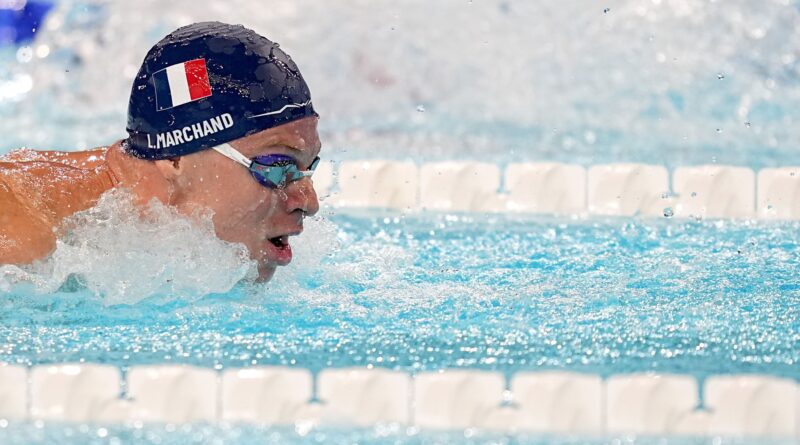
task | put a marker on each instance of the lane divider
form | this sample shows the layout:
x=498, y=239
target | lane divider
x=545, y=402
x=625, y=189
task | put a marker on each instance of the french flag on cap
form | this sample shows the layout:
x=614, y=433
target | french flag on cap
x=181, y=83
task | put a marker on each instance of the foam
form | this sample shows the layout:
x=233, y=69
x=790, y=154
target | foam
x=118, y=254
x=124, y=256
x=318, y=241
x=637, y=83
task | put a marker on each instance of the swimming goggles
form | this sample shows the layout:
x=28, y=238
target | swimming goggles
x=271, y=171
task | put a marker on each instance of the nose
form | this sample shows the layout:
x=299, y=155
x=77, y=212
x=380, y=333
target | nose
x=300, y=195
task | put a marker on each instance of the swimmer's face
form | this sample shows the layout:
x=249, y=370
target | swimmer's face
x=244, y=211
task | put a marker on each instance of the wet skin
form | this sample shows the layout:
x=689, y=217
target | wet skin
x=38, y=189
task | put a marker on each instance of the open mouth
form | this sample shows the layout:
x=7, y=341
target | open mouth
x=280, y=241
x=278, y=249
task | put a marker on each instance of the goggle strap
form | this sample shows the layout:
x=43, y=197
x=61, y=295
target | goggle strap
x=231, y=153
x=314, y=164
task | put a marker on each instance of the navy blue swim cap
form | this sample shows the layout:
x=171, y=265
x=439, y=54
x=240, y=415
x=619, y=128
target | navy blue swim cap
x=210, y=83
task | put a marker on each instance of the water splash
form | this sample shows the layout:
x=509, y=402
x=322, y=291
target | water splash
x=643, y=78
x=332, y=268
x=601, y=296
x=124, y=255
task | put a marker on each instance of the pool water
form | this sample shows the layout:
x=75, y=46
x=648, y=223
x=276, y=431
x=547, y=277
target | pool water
x=428, y=291
x=242, y=435
x=432, y=291
x=622, y=82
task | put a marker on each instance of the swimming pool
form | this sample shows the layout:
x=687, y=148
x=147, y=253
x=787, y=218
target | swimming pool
x=645, y=295
x=420, y=293
x=429, y=292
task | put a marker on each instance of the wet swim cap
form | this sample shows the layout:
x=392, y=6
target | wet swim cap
x=209, y=83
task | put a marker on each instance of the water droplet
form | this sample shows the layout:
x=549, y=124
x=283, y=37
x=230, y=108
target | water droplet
x=421, y=108
x=606, y=10
x=24, y=54
x=769, y=206
x=747, y=124
x=719, y=130
x=665, y=195
x=668, y=212
x=42, y=51
x=720, y=76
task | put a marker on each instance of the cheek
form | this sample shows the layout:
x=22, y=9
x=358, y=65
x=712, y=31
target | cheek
x=246, y=214
x=233, y=193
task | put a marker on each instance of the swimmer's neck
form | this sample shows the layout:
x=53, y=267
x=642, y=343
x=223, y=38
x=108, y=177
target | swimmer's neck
x=140, y=176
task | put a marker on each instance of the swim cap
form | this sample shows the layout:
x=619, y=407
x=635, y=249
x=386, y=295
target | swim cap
x=209, y=83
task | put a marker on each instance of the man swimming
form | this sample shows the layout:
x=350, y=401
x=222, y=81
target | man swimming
x=219, y=119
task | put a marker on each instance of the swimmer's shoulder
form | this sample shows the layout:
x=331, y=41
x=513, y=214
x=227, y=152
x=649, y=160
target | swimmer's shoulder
x=87, y=159
x=38, y=189
x=48, y=179
x=25, y=236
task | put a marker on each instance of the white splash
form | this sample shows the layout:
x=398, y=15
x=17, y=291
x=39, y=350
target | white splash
x=576, y=72
x=124, y=255
x=309, y=249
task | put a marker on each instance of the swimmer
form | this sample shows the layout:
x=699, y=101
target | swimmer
x=219, y=119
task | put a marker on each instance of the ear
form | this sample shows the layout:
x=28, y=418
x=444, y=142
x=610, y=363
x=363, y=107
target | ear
x=170, y=168
x=171, y=171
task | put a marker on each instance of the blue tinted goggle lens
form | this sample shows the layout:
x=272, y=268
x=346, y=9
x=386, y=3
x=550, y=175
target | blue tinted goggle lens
x=276, y=171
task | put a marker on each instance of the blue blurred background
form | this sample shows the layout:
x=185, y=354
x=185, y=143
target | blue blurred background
x=679, y=82
x=20, y=19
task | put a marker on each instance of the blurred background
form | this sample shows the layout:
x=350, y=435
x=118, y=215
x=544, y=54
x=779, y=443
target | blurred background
x=678, y=82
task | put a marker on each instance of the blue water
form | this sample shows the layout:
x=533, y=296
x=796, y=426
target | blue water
x=242, y=435
x=429, y=292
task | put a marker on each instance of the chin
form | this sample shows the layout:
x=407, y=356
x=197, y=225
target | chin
x=265, y=272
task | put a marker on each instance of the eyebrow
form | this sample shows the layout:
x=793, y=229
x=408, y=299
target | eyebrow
x=289, y=142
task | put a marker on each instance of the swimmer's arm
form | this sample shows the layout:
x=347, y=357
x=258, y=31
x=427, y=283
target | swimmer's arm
x=24, y=237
